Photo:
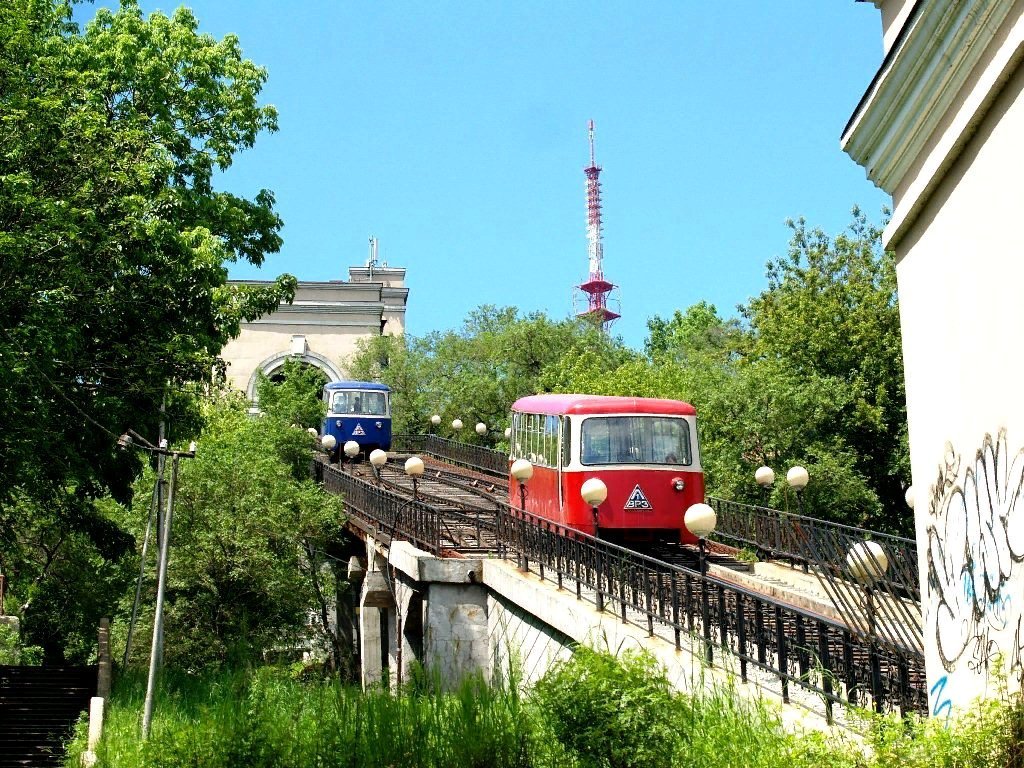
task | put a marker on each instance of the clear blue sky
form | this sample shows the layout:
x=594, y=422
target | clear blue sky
x=456, y=134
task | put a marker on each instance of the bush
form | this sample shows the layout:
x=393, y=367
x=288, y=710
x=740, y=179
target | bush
x=609, y=711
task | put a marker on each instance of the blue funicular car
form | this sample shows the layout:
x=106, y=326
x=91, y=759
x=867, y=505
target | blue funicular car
x=360, y=411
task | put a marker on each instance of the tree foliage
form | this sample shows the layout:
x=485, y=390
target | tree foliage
x=297, y=397
x=113, y=244
x=247, y=516
x=810, y=373
x=478, y=371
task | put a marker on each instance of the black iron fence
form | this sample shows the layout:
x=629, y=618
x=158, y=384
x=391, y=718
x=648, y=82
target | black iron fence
x=885, y=602
x=389, y=513
x=826, y=657
x=477, y=457
x=796, y=646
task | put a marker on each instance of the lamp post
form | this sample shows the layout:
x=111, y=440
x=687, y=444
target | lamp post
x=508, y=432
x=351, y=449
x=797, y=478
x=435, y=422
x=700, y=520
x=481, y=428
x=522, y=471
x=867, y=563
x=329, y=443
x=457, y=426
x=765, y=477
x=909, y=497
x=378, y=459
x=594, y=492
x=414, y=469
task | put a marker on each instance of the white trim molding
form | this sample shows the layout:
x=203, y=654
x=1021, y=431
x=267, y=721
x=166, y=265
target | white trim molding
x=269, y=366
x=916, y=113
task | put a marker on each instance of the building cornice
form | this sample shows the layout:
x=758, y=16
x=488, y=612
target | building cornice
x=918, y=84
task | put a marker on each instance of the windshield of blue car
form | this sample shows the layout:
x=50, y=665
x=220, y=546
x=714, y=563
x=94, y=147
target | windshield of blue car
x=361, y=402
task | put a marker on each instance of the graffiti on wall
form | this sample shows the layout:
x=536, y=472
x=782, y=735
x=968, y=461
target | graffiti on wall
x=975, y=536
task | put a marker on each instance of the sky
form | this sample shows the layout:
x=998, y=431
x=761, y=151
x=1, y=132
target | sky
x=456, y=133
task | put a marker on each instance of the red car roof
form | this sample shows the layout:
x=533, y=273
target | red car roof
x=580, y=404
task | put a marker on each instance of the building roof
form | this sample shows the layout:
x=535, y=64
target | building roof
x=601, y=404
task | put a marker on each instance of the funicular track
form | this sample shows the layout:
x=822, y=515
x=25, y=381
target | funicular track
x=463, y=511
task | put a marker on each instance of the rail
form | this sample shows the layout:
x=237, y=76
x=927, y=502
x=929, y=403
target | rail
x=477, y=457
x=396, y=516
x=890, y=609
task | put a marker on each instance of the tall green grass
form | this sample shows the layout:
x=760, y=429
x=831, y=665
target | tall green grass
x=593, y=710
x=269, y=719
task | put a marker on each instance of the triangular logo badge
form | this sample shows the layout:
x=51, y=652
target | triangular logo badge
x=637, y=500
x=360, y=431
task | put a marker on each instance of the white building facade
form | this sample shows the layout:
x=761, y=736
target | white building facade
x=321, y=327
x=941, y=128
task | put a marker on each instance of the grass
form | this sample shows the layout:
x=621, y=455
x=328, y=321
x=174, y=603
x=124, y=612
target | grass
x=593, y=710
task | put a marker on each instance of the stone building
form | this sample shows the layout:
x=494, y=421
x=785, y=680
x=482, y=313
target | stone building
x=940, y=128
x=321, y=327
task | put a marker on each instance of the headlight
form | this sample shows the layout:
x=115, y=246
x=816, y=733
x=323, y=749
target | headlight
x=678, y=483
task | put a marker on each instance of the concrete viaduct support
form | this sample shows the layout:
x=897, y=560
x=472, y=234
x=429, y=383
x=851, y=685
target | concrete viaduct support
x=459, y=617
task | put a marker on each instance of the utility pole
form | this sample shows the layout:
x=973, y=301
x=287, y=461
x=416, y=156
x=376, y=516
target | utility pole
x=164, y=540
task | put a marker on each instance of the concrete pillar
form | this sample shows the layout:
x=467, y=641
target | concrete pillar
x=405, y=630
x=375, y=601
x=371, y=666
x=456, y=641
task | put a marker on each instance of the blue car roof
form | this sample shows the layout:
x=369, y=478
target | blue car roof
x=369, y=385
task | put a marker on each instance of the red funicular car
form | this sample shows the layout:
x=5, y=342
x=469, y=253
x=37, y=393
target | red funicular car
x=644, y=450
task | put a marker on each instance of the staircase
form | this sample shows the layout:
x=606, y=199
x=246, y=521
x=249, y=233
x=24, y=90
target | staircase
x=38, y=709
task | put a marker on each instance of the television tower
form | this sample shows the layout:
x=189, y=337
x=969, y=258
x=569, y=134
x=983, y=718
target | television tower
x=596, y=288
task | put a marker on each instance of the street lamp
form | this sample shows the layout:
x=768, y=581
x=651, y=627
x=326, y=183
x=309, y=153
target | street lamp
x=378, y=459
x=909, y=496
x=414, y=469
x=351, y=449
x=457, y=425
x=508, y=432
x=522, y=471
x=594, y=492
x=867, y=563
x=313, y=433
x=481, y=429
x=329, y=443
x=700, y=520
x=765, y=477
x=435, y=422
x=797, y=478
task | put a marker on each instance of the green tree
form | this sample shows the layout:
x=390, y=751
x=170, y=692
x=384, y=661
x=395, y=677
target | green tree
x=250, y=530
x=811, y=373
x=478, y=371
x=830, y=318
x=113, y=243
x=297, y=398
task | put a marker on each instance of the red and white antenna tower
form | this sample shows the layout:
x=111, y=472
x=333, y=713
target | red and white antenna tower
x=596, y=288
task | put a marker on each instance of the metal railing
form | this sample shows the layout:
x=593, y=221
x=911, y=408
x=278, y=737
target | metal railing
x=478, y=457
x=391, y=514
x=797, y=647
x=889, y=609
